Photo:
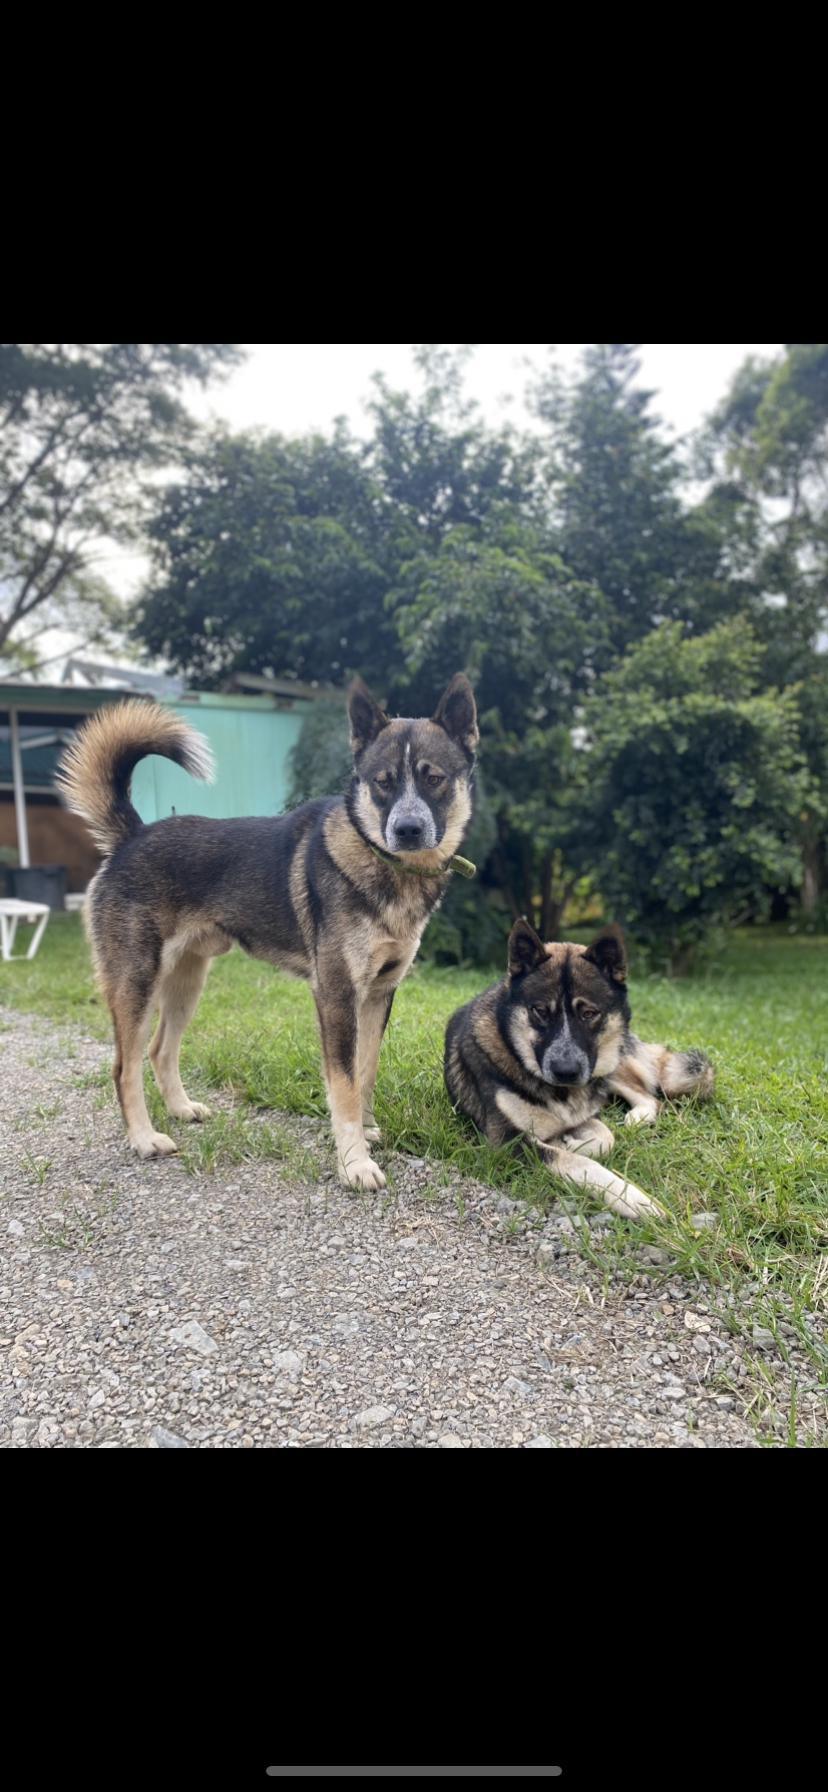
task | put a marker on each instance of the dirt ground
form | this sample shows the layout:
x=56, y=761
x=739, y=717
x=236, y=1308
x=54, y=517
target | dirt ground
x=262, y=1305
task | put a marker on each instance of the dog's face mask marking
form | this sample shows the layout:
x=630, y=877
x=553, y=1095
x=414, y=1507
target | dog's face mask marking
x=411, y=790
x=567, y=1005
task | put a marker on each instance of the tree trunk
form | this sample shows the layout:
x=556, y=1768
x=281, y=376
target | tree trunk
x=681, y=958
x=547, y=922
x=553, y=907
x=501, y=864
x=526, y=878
x=811, y=876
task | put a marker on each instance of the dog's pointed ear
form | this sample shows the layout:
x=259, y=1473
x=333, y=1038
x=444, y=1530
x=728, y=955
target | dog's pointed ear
x=366, y=718
x=609, y=953
x=526, y=950
x=456, y=712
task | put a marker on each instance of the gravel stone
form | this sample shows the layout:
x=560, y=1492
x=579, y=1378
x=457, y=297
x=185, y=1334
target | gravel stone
x=194, y=1336
x=373, y=1416
x=289, y=1362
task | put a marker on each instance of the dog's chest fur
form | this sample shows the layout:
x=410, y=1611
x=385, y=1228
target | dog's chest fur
x=382, y=937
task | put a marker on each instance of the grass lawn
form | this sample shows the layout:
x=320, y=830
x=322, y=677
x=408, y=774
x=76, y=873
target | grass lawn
x=757, y=1155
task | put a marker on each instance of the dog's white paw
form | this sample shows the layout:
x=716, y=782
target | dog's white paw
x=633, y=1204
x=155, y=1144
x=191, y=1110
x=645, y=1114
x=361, y=1172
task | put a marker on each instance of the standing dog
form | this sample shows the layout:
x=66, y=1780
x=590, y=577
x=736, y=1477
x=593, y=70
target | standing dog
x=339, y=892
x=542, y=1051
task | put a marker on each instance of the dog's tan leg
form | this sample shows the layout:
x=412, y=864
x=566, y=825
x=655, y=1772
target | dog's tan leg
x=652, y=1070
x=634, y=1082
x=622, y=1196
x=132, y=1014
x=336, y=1005
x=178, y=997
x=373, y=1020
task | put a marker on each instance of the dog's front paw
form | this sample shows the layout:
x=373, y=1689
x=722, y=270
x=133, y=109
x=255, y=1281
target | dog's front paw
x=361, y=1172
x=645, y=1114
x=192, y=1110
x=154, y=1144
x=633, y=1204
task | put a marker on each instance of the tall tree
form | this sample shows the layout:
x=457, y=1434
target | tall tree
x=694, y=787
x=438, y=465
x=622, y=524
x=501, y=603
x=270, y=557
x=83, y=427
x=767, y=447
x=766, y=451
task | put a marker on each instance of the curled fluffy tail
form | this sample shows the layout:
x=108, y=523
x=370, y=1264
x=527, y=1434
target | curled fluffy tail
x=656, y=1070
x=95, y=772
x=686, y=1073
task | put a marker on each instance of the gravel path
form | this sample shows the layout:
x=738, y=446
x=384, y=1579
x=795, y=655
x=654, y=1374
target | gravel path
x=262, y=1305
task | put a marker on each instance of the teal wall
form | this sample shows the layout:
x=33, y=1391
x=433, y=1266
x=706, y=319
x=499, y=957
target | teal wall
x=251, y=741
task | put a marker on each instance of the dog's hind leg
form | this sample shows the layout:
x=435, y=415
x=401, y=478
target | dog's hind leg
x=178, y=996
x=622, y=1196
x=373, y=1020
x=649, y=1071
x=131, y=1003
x=636, y=1081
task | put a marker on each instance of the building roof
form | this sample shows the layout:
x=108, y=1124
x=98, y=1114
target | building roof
x=80, y=672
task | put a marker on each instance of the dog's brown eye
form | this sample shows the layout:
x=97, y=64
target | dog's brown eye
x=383, y=780
x=589, y=1013
x=432, y=775
x=539, y=1014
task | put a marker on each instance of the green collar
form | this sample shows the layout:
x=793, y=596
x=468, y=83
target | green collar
x=464, y=866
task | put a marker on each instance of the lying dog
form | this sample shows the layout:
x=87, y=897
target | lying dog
x=542, y=1051
x=338, y=891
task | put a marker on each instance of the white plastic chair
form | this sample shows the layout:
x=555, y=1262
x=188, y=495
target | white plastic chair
x=11, y=912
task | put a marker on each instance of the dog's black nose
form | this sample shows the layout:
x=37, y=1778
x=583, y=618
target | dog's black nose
x=409, y=833
x=563, y=1070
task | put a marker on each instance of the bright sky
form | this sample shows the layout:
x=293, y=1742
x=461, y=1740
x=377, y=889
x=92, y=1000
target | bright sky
x=296, y=387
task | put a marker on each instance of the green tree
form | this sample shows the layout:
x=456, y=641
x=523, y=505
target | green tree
x=83, y=428
x=269, y=557
x=620, y=519
x=766, y=452
x=321, y=762
x=812, y=709
x=500, y=603
x=695, y=785
x=438, y=466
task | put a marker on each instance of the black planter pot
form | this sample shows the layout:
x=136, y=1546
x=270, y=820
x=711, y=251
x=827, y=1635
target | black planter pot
x=38, y=883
